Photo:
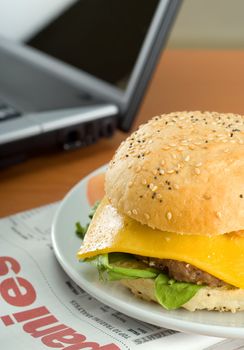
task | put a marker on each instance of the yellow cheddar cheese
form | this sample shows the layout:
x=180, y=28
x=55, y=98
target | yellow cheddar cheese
x=222, y=256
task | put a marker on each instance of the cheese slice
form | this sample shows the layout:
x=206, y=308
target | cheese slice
x=222, y=256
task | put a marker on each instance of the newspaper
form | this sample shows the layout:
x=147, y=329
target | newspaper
x=41, y=307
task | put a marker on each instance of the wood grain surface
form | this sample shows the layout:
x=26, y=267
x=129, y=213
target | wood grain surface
x=183, y=80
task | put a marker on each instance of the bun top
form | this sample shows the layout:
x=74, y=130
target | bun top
x=182, y=172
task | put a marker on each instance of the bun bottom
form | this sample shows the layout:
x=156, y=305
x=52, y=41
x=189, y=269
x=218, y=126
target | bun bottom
x=218, y=299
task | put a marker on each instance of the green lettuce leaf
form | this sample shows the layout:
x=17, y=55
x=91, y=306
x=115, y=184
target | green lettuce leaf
x=172, y=294
x=169, y=293
x=110, y=267
x=93, y=209
x=81, y=230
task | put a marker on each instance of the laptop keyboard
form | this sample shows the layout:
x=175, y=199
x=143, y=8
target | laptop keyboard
x=7, y=111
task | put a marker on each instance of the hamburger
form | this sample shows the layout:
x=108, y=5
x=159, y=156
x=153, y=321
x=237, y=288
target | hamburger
x=171, y=225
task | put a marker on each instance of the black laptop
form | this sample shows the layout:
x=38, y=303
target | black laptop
x=78, y=74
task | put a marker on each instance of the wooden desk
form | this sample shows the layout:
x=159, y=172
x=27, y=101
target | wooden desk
x=184, y=80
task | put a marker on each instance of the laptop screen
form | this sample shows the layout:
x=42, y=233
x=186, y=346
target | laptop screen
x=101, y=37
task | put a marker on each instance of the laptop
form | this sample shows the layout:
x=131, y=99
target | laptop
x=77, y=72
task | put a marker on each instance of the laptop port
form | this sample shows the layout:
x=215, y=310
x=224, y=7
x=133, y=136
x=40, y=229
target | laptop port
x=108, y=128
x=72, y=140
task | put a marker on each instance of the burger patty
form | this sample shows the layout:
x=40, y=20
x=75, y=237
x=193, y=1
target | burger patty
x=183, y=272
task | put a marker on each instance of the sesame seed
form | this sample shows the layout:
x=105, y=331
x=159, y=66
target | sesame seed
x=197, y=171
x=207, y=196
x=154, y=188
x=161, y=171
x=144, y=181
x=174, y=156
x=147, y=216
x=198, y=164
x=184, y=142
x=129, y=212
x=187, y=158
x=171, y=171
x=176, y=186
x=218, y=214
x=165, y=148
x=134, y=211
x=169, y=215
x=130, y=183
x=158, y=196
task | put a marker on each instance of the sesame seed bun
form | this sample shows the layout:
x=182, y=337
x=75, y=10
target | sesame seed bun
x=182, y=172
x=217, y=299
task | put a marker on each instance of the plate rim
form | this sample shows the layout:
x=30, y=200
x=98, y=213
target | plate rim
x=132, y=310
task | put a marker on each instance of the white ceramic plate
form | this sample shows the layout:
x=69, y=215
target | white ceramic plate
x=75, y=207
